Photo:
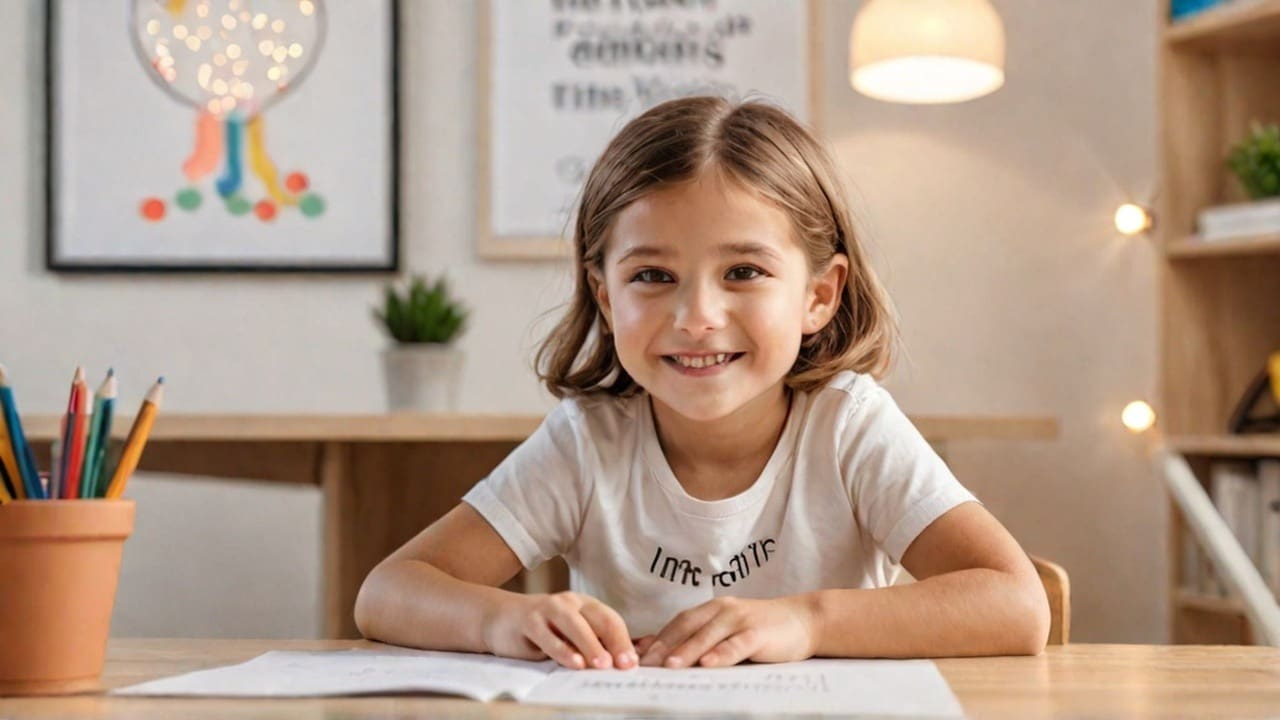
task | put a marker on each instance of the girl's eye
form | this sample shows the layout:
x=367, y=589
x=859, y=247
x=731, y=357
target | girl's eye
x=745, y=272
x=650, y=275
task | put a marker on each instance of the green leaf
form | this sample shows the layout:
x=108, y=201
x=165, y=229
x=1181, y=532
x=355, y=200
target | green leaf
x=423, y=312
x=1255, y=161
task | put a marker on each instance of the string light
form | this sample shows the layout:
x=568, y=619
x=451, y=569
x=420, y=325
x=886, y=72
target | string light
x=1138, y=416
x=1132, y=219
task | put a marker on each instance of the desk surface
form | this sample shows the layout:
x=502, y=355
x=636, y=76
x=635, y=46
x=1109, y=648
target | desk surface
x=1071, y=680
x=410, y=427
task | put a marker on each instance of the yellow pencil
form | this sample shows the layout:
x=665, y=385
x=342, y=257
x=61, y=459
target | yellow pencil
x=10, y=463
x=137, y=440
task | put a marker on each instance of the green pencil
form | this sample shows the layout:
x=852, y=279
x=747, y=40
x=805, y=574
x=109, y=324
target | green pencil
x=99, y=433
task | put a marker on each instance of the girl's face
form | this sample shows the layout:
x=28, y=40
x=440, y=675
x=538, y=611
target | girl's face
x=708, y=294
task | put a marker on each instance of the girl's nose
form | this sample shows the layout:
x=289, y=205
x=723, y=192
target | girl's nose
x=699, y=310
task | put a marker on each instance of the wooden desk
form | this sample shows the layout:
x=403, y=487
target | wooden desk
x=385, y=477
x=1123, y=681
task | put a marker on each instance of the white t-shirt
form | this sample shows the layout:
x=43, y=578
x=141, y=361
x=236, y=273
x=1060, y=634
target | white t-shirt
x=849, y=486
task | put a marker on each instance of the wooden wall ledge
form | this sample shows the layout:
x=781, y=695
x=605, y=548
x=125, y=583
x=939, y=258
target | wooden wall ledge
x=410, y=427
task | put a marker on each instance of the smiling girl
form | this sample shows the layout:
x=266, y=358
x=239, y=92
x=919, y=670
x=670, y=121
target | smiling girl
x=724, y=475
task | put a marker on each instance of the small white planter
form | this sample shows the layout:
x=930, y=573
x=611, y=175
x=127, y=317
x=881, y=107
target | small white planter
x=422, y=377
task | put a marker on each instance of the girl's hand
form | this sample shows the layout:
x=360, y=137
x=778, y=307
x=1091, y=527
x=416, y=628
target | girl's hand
x=575, y=630
x=728, y=630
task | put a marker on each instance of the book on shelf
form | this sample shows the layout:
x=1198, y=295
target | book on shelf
x=1247, y=496
x=1269, y=530
x=1182, y=9
x=1239, y=220
x=1192, y=568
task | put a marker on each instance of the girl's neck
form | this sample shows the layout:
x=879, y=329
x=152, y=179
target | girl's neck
x=735, y=447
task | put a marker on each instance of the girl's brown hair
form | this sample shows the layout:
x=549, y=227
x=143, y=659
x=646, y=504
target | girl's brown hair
x=763, y=148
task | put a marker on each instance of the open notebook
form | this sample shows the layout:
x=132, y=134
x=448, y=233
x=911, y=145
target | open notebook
x=882, y=687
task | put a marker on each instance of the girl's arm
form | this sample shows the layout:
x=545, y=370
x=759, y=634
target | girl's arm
x=439, y=592
x=976, y=593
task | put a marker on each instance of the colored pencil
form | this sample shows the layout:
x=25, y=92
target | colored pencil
x=137, y=440
x=96, y=450
x=9, y=477
x=79, y=432
x=9, y=464
x=58, y=465
x=5, y=495
x=56, y=453
x=18, y=440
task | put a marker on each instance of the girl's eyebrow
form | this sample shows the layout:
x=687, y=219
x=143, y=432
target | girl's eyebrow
x=641, y=251
x=731, y=248
x=749, y=248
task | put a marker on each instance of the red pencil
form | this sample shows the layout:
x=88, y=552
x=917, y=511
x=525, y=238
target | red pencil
x=79, y=430
x=58, y=473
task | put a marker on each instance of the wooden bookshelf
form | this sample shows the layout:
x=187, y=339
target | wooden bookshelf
x=1219, y=302
x=1227, y=446
x=1229, y=27
x=1194, y=247
x=1188, y=599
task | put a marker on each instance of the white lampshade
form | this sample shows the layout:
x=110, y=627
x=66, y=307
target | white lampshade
x=926, y=51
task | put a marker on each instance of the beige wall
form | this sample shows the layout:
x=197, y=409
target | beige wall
x=989, y=220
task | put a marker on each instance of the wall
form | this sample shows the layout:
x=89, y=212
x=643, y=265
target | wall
x=990, y=221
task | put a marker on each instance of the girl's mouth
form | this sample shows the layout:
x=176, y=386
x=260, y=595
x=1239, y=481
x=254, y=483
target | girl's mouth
x=701, y=365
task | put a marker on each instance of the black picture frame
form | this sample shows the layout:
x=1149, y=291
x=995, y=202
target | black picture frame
x=390, y=265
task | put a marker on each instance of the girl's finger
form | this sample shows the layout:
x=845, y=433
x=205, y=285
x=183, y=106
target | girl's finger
x=557, y=649
x=577, y=631
x=611, y=629
x=730, y=651
x=642, y=644
x=676, y=632
x=712, y=633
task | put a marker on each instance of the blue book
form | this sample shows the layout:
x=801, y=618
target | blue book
x=1181, y=9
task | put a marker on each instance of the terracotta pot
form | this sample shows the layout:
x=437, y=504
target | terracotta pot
x=59, y=565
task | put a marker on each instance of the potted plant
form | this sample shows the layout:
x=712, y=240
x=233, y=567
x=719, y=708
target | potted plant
x=1255, y=161
x=422, y=367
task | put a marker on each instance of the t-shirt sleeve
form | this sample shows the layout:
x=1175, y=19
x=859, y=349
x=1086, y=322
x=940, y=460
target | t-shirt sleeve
x=897, y=483
x=535, y=498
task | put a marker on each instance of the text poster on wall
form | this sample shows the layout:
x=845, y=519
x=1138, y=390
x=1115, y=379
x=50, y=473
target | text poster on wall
x=566, y=75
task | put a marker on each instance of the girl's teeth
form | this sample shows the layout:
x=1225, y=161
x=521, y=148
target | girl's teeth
x=702, y=361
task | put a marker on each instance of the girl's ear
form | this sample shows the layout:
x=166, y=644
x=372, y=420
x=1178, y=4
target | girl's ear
x=600, y=292
x=826, y=290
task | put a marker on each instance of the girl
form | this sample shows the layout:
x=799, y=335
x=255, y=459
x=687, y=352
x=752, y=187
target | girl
x=724, y=476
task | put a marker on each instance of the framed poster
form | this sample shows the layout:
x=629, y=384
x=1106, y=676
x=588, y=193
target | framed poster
x=562, y=76
x=222, y=135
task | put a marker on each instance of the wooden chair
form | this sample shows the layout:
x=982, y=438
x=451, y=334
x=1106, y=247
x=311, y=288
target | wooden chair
x=1058, y=588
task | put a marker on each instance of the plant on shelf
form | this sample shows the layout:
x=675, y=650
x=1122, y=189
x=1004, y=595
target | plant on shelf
x=1256, y=161
x=421, y=366
x=422, y=314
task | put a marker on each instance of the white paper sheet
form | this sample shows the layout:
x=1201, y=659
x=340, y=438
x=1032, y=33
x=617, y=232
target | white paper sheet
x=880, y=687
x=844, y=687
x=356, y=672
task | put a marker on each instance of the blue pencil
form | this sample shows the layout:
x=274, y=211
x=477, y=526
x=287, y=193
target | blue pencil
x=22, y=452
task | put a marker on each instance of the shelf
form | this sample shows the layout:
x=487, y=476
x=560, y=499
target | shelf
x=1191, y=600
x=1234, y=24
x=398, y=427
x=1194, y=247
x=1260, y=445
